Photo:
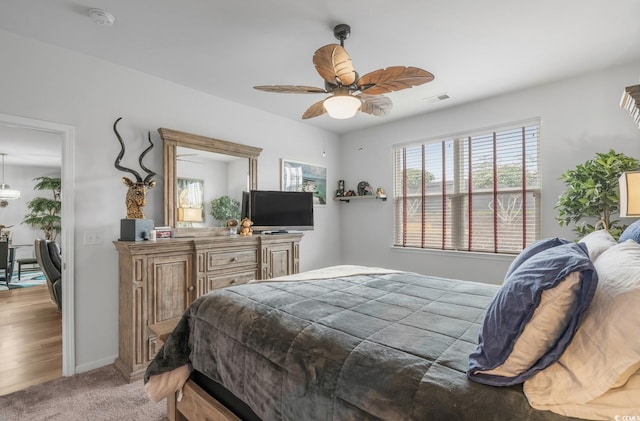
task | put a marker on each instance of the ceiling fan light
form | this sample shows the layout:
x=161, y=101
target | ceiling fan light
x=342, y=106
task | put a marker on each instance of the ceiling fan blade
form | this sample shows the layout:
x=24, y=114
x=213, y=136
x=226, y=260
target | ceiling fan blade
x=291, y=89
x=334, y=65
x=315, y=110
x=393, y=79
x=378, y=105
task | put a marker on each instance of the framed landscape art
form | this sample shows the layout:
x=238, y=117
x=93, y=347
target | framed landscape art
x=301, y=176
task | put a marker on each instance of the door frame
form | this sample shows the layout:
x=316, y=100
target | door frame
x=67, y=214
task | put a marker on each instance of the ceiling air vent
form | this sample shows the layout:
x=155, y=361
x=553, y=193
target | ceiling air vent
x=437, y=98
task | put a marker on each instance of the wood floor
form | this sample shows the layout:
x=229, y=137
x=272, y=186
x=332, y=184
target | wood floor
x=30, y=338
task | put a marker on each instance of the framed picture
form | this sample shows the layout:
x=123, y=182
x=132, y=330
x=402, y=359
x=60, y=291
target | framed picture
x=300, y=176
x=190, y=200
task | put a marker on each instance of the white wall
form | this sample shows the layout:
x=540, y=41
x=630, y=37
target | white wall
x=44, y=82
x=580, y=117
x=20, y=177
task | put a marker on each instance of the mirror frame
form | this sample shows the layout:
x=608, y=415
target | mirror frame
x=174, y=139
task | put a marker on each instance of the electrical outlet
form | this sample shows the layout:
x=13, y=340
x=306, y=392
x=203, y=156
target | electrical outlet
x=92, y=238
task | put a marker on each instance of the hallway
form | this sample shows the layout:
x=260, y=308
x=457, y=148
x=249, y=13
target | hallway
x=30, y=338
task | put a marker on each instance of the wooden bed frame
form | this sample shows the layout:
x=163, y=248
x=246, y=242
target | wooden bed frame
x=196, y=404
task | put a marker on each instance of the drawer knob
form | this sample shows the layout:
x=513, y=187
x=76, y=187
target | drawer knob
x=235, y=258
x=233, y=281
x=190, y=288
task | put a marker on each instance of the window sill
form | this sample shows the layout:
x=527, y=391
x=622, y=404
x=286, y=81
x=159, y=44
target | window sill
x=501, y=257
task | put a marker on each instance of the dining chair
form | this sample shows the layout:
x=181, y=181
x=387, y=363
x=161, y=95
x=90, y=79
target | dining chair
x=7, y=255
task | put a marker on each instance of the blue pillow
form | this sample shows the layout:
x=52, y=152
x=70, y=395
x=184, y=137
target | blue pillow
x=534, y=249
x=632, y=232
x=515, y=303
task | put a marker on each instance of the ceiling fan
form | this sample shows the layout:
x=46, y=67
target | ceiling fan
x=342, y=81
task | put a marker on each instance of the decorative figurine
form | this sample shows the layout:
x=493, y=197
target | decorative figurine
x=245, y=227
x=340, y=190
x=137, y=192
x=364, y=188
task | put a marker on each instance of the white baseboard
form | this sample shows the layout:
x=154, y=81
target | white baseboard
x=95, y=364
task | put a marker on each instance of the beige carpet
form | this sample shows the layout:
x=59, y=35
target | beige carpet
x=95, y=395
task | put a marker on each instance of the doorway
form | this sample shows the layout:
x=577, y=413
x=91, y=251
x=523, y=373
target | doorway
x=67, y=135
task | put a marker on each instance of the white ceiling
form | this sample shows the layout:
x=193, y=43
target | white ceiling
x=30, y=147
x=475, y=49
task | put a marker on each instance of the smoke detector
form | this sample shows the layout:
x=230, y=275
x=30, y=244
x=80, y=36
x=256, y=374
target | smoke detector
x=101, y=17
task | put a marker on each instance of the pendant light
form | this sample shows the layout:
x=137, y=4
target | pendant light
x=6, y=192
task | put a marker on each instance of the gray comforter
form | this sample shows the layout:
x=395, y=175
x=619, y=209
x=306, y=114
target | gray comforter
x=392, y=347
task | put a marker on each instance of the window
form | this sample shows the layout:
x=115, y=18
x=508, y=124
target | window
x=472, y=192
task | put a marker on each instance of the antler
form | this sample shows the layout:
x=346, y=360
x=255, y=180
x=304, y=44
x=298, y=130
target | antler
x=150, y=173
x=147, y=170
x=121, y=154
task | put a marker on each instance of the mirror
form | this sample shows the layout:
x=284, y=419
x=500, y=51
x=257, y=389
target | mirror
x=198, y=169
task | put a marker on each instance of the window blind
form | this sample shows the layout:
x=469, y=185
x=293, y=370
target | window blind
x=470, y=192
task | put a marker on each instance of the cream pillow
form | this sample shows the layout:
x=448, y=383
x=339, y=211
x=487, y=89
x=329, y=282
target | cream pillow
x=548, y=322
x=616, y=404
x=537, y=270
x=597, y=242
x=605, y=351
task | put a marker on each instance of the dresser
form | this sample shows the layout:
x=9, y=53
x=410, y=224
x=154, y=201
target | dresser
x=159, y=279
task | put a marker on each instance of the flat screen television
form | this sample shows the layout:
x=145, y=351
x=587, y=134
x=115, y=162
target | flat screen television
x=278, y=211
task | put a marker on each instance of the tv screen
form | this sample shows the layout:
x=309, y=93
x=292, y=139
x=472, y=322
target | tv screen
x=278, y=211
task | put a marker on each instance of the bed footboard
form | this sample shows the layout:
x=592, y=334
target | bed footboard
x=196, y=404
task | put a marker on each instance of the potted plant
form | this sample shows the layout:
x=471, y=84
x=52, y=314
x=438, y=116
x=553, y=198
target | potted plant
x=225, y=209
x=45, y=212
x=592, y=196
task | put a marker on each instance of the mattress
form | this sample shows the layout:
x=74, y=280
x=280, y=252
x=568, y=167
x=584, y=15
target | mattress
x=367, y=346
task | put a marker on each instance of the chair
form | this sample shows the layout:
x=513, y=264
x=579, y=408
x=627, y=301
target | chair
x=48, y=256
x=6, y=262
x=32, y=261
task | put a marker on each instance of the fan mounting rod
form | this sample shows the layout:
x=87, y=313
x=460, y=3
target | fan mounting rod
x=342, y=32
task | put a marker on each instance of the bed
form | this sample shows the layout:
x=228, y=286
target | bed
x=558, y=340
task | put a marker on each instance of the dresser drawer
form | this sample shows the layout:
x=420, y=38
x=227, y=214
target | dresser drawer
x=230, y=259
x=239, y=278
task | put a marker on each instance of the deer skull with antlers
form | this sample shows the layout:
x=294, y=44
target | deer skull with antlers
x=137, y=193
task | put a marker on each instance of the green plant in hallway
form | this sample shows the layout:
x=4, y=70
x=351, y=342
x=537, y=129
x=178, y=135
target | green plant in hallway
x=592, y=197
x=45, y=211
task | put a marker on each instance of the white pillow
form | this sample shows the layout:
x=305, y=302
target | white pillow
x=597, y=242
x=605, y=352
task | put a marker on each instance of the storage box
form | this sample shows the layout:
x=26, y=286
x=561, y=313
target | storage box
x=135, y=229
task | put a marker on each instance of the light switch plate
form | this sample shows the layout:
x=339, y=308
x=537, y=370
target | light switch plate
x=92, y=238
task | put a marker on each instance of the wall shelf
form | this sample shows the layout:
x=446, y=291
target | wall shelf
x=350, y=198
